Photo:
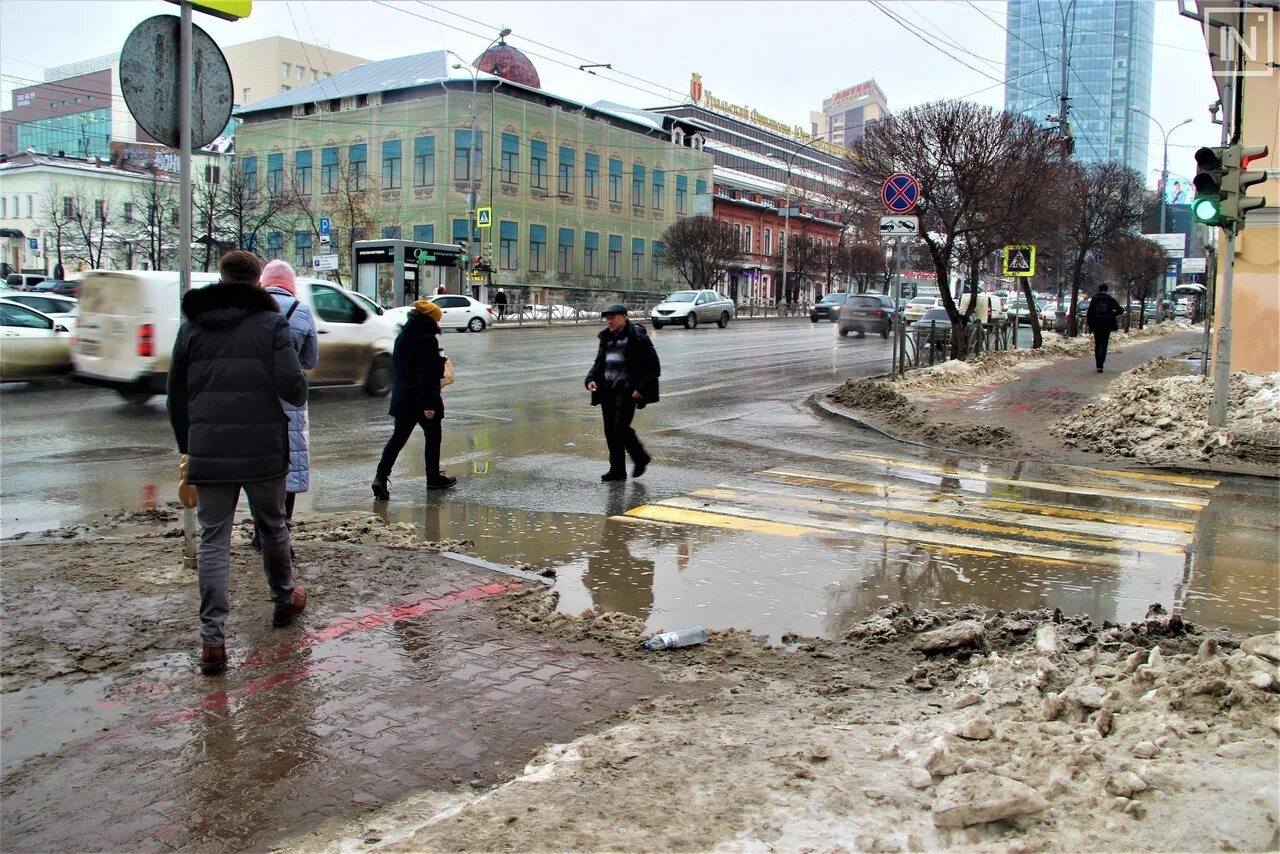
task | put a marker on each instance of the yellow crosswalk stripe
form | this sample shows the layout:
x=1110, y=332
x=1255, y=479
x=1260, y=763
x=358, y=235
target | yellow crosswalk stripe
x=948, y=507
x=708, y=512
x=1095, y=538
x=1184, y=502
x=694, y=516
x=1176, y=479
x=843, y=483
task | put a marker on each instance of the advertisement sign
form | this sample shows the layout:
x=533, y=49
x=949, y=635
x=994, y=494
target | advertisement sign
x=324, y=262
x=1174, y=245
x=1193, y=265
x=1178, y=190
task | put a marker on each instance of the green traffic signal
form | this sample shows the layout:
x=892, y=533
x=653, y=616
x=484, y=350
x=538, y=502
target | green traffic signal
x=1210, y=171
x=1206, y=210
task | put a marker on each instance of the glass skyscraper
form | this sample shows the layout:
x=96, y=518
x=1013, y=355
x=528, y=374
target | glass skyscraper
x=1110, y=71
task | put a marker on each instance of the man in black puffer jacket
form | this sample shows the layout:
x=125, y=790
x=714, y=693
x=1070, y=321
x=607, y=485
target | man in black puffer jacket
x=622, y=379
x=232, y=364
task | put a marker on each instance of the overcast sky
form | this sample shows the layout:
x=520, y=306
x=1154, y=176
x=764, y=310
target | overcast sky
x=781, y=58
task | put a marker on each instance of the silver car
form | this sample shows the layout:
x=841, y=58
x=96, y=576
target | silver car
x=690, y=308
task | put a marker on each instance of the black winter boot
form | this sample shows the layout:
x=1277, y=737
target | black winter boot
x=380, y=491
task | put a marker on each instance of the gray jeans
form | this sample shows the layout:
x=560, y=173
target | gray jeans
x=216, y=510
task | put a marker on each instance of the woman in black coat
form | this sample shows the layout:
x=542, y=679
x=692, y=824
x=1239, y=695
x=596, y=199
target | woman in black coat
x=415, y=396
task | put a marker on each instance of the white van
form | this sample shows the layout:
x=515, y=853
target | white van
x=989, y=308
x=129, y=322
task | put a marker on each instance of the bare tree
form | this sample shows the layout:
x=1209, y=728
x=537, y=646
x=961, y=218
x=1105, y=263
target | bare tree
x=91, y=218
x=247, y=210
x=57, y=219
x=804, y=258
x=980, y=172
x=701, y=250
x=149, y=226
x=1101, y=201
x=206, y=205
x=868, y=265
x=1137, y=263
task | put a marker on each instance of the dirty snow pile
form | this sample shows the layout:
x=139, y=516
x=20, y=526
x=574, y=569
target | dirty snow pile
x=1156, y=414
x=925, y=730
x=1087, y=737
x=881, y=400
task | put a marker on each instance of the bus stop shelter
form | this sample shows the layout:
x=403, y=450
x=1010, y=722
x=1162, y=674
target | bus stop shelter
x=397, y=272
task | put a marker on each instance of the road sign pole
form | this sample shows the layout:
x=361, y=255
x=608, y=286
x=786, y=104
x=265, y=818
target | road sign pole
x=184, y=151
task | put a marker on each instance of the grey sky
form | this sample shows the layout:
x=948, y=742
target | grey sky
x=738, y=47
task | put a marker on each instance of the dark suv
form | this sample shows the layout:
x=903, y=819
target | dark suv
x=863, y=313
x=827, y=308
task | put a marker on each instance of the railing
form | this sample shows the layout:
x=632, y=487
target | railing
x=542, y=315
x=928, y=345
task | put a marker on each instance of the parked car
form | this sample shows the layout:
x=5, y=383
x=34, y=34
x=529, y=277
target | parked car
x=32, y=344
x=24, y=281
x=863, y=313
x=1020, y=310
x=56, y=286
x=918, y=306
x=128, y=321
x=932, y=331
x=827, y=308
x=459, y=312
x=62, y=309
x=692, y=308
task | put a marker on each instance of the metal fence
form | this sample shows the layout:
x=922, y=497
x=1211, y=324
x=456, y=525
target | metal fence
x=543, y=315
x=927, y=345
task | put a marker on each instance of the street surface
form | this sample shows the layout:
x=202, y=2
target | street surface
x=757, y=512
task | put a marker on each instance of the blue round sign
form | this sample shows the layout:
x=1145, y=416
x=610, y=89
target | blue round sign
x=900, y=193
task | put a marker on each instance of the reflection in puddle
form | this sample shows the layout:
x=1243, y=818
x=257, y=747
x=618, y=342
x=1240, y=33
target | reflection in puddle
x=813, y=552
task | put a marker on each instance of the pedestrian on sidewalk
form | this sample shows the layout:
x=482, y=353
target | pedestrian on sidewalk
x=623, y=378
x=418, y=365
x=500, y=303
x=279, y=280
x=1101, y=321
x=233, y=363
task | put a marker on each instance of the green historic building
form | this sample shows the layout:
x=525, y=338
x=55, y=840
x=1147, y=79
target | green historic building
x=579, y=195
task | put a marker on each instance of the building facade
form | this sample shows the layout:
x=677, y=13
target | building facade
x=266, y=67
x=85, y=214
x=847, y=114
x=760, y=165
x=578, y=195
x=1110, y=52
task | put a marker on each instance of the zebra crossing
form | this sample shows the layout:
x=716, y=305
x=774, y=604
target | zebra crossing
x=1030, y=511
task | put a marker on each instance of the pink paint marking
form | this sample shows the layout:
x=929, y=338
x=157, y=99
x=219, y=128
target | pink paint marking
x=1052, y=391
x=221, y=698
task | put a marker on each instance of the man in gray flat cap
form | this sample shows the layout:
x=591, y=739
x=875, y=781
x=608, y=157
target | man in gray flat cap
x=623, y=378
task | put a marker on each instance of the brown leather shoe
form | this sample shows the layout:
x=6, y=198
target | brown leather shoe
x=213, y=660
x=285, y=613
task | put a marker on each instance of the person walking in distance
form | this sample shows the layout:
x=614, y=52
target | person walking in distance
x=415, y=396
x=279, y=281
x=500, y=303
x=233, y=363
x=1101, y=321
x=623, y=378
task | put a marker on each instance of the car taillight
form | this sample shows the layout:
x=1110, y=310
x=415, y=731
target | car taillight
x=146, y=340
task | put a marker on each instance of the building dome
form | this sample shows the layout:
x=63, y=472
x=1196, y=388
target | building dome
x=503, y=60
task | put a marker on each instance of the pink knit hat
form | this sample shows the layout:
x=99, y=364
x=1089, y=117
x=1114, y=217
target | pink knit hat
x=278, y=274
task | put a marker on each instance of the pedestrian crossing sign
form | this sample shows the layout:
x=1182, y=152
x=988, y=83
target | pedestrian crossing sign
x=484, y=217
x=1020, y=260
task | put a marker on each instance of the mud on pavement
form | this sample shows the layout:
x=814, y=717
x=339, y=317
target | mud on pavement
x=425, y=705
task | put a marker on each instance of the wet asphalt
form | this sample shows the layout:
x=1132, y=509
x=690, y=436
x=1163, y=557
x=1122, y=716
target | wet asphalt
x=527, y=449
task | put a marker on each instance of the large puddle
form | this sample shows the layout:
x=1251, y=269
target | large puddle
x=812, y=552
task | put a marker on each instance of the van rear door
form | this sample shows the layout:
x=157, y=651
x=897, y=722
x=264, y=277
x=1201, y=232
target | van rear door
x=111, y=309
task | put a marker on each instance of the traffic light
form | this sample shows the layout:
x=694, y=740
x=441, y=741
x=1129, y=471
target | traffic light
x=1211, y=171
x=1237, y=203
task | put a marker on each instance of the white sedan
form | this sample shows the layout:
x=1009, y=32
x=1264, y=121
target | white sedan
x=32, y=345
x=457, y=312
x=60, y=308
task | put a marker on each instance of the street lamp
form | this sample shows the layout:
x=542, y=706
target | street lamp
x=786, y=214
x=1164, y=166
x=474, y=196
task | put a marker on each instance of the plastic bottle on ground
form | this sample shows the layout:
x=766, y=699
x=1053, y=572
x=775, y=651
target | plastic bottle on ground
x=683, y=637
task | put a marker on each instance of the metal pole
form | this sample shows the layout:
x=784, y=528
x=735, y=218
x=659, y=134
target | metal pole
x=896, y=289
x=184, y=152
x=1222, y=346
x=786, y=229
x=189, y=559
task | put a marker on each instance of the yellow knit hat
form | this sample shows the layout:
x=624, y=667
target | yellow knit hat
x=430, y=309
